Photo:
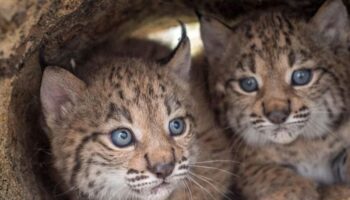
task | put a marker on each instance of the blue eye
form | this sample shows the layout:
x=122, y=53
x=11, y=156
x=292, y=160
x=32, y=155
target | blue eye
x=177, y=127
x=122, y=137
x=248, y=84
x=301, y=77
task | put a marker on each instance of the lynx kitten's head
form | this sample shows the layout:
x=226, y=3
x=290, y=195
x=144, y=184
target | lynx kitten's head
x=129, y=133
x=276, y=77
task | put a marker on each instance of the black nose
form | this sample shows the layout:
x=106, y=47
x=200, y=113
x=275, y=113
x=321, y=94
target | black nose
x=278, y=116
x=162, y=170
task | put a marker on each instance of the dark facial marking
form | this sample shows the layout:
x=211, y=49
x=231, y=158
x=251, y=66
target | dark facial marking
x=171, y=104
x=248, y=31
x=78, y=158
x=111, y=75
x=137, y=178
x=121, y=94
x=132, y=171
x=253, y=115
x=162, y=88
x=289, y=25
x=150, y=90
x=183, y=167
x=147, y=159
x=291, y=58
x=116, y=112
x=247, y=61
x=103, y=157
x=104, y=146
x=288, y=41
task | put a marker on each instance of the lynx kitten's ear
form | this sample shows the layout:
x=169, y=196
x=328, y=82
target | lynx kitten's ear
x=331, y=22
x=179, y=61
x=215, y=36
x=59, y=91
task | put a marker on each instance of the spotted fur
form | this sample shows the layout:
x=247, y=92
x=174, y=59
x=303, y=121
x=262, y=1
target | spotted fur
x=142, y=96
x=286, y=155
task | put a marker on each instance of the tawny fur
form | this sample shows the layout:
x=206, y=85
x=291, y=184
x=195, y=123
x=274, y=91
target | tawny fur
x=142, y=96
x=293, y=159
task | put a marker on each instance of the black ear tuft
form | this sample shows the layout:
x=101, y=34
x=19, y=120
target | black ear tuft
x=198, y=14
x=183, y=33
x=183, y=39
x=179, y=61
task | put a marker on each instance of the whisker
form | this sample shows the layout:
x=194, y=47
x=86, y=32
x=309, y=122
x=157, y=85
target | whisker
x=207, y=180
x=71, y=189
x=200, y=186
x=188, y=188
x=213, y=161
x=214, y=168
